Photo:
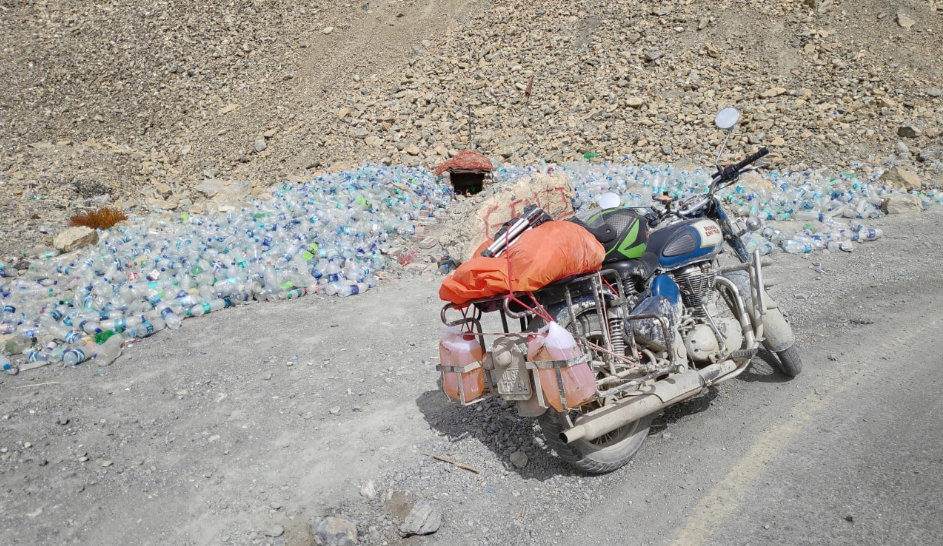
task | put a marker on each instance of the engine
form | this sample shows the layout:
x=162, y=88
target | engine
x=706, y=338
x=696, y=283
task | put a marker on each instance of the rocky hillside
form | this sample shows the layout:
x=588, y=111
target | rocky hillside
x=144, y=100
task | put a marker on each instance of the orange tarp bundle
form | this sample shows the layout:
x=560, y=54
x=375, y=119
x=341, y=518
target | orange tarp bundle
x=542, y=255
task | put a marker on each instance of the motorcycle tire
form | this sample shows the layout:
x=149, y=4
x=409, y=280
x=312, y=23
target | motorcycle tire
x=612, y=450
x=790, y=364
x=787, y=361
x=600, y=456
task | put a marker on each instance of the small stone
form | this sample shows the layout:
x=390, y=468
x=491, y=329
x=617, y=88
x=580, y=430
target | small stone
x=413, y=150
x=75, y=237
x=774, y=92
x=328, y=30
x=833, y=357
x=519, y=459
x=228, y=108
x=106, y=464
x=83, y=459
x=653, y=55
x=260, y=144
x=27, y=445
x=423, y=519
x=908, y=131
x=935, y=92
x=635, y=102
x=849, y=518
x=369, y=490
x=905, y=21
x=336, y=410
x=63, y=421
x=903, y=148
x=332, y=531
x=275, y=531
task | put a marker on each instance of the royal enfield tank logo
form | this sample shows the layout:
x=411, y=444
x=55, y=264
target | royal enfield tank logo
x=710, y=233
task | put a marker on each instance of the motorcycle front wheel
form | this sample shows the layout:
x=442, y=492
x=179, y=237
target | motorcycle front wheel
x=790, y=364
x=776, y=326
x=610, y=451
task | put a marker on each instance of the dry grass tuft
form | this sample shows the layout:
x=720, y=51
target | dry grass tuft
x=98, y=219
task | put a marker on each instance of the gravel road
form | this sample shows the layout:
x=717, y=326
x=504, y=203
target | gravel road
x=240, y=427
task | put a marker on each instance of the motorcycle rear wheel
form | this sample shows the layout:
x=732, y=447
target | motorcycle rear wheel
x=599, y=456
x=611, y=451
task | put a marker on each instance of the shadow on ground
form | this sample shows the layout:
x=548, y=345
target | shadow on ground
x=762, y=370
x=498, y=427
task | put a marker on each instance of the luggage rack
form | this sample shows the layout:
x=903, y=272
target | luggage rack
x=608, y=291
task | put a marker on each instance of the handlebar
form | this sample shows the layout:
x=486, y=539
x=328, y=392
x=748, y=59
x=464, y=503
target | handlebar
x=731, y=171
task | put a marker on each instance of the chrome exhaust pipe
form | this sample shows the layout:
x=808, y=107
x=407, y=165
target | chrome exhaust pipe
x=662, y=394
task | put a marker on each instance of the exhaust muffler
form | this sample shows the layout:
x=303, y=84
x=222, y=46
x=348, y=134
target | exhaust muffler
x=662, y=394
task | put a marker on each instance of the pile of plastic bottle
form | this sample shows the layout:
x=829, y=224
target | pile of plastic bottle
x=831, y=206
x=332, y=235
x=329, y=235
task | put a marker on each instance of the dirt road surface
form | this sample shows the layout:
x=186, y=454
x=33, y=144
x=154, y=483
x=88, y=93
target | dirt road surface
x=241, y=426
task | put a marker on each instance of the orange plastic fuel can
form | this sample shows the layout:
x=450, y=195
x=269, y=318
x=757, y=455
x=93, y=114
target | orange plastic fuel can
x=460, y=356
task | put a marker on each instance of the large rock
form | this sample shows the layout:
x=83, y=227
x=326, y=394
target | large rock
x=75, y=237
x=756, y=183
x=902, y=204
x=900, y=178
x=423, y=519
x=478, y=218
x=331, y=531
x=224, y=190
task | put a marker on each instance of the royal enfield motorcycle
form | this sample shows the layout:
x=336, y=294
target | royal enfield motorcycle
x=596, y=356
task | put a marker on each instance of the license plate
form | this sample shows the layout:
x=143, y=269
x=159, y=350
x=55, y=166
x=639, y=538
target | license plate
x=515, y=382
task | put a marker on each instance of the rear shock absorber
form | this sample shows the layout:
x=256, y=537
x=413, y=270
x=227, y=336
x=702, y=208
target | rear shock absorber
x=616, y=336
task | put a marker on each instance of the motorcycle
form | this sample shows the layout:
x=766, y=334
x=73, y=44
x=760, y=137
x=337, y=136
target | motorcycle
x=598, y=355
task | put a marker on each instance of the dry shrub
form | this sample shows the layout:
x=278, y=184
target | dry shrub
x=102, y=218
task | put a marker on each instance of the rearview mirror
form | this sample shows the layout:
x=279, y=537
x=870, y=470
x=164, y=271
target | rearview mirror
x=727, y=118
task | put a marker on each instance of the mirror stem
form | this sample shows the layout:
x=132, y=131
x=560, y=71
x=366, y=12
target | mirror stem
x=722, y=147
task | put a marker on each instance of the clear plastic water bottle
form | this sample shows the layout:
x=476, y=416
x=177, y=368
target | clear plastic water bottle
x=108, y=352
x=797, y=247
x=209, y=307
x=170, y=317
x=867, y=234
x=141, y=330
x=75, y=356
